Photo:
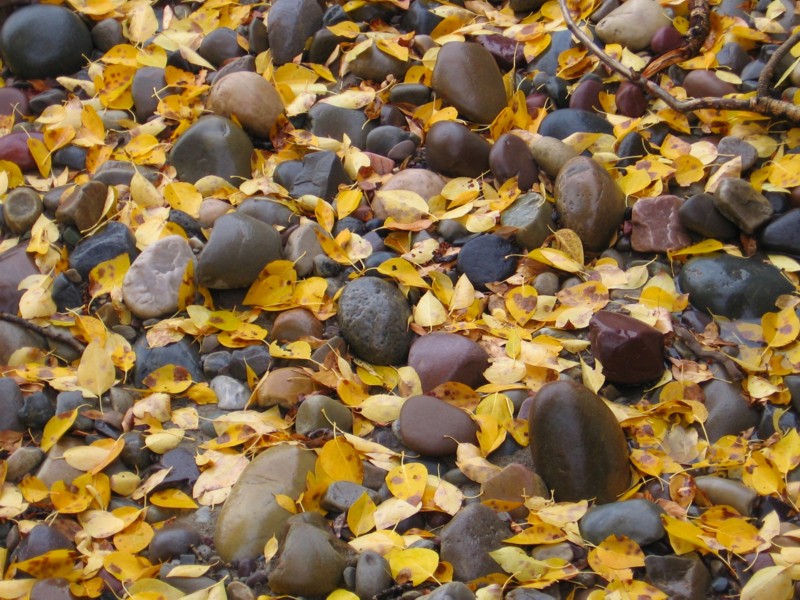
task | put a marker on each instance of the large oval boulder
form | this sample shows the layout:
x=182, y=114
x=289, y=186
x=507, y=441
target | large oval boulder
x=214, y=145
x=589, y=202
x=251, y=515
x=455, y=151
x=578, y=447
x=249, y=97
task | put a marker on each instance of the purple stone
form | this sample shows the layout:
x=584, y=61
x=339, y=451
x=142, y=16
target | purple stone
x=657, y=226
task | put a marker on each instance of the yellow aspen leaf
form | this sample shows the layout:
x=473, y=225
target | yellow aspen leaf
x=172, y=499
x=33, y=489
x=58, y=137
x=134, y=538
x=144, y=193
x=472, y=463
x=324, y=215
x=162, y=442
x=521, y=303
x=463, y=294
x=55, y=563
x=738, y=536
x=108, y=275
x=142, y=22
x=100, y=524
x=286, y=503
x=515, y=561
x=774, y=583
x=299, y=350
x=780, y=328
x=270, y=548
x=183, y=196
x=407, y=482
x=188, y=571
x=347, y=201
x=785, y=454
x=128, y=567
x=762, y=476
x=412, y=564
x=446, y=496
x=684, y=536
x=633, y=590
x=67, y=501
x=615, y=557
x=538, y=533
x=340, y=460
x=41, y=155
x=402, y=271
x=392, y=511
x=96, y=372
x=593, y=378
x=429, y=312
x=169, y=379
x=688, y=169
x=361, y=515
x=341, y=594
x=556, y=259
x=16, y=588
x=56, y=427
x=380, y=408
x=490, y=435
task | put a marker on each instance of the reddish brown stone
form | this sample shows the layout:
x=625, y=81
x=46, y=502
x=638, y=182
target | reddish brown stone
x=657, y=225
x=630, y=351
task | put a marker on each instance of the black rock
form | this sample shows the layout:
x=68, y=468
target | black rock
x=783, y=234
x=320, y=175
x=182, y=354
x=111, y=241
x=566, y=121
x=486, y=259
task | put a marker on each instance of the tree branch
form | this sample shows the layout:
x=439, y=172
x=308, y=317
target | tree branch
x=48, y=333
x=765, y=78
x=760, y=103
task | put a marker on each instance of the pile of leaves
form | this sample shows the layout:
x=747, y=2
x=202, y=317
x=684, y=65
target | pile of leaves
x=511, y=321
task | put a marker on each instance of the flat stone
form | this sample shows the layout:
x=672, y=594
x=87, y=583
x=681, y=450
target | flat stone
x=291, y=23
x=633, y=24
x=284, y=387
x=468, y=538
x=729, y=413
x=657, y=226
x=681, y=577
x=341, y=495
x=510, y=157
x=373, y=317
x=213, y=145
x=321, y=412
x=630, y=351
x=589, y=202
x=467, y=77
x=40, y=540
x=562, y=123
x=731, y=146
x=295, y=324
x=638, y=519
x=238, y=249
x=376, y=65
x=578, y=447
x=84, y=206
x=152, y=284
x=171, y=541
x=250, y=98
x=699, y=215
x=532, y=216
x=44, y=40
x=739, y=202
x=21, y=209
x=182, y=354
x=487, y=258
x=731, y=286
x=441, y=357
x=250, y=515
x=15, y=265
x=509, y=489
x=109, y=242
x=701, y=83
x=23, y=461
x=783, y=234
x=455, y=151
x=433, y=427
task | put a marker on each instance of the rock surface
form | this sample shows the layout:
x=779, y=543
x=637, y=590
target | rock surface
x=433, y=427
x=630, y=351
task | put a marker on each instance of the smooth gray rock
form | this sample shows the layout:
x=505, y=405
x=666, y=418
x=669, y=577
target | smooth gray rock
x=729, y=413
x=468, y=538
x=532, y=215
x=739, y=202
x=290, y=24
x=729, y=492
x=303, y=247
x=699, y=215
x=638, y=519
x=373, y=575
x=633, y=24
x=213, y=145
x=681, y=577
x=322, y=412
x=455, y=590
x=231, y=393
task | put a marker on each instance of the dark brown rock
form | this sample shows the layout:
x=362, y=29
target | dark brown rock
x=433, y=427
x=578, y=447
x=15, y=265
x=453, y=150
x=657, y=226
x=630, y=351
x=587, y=95
x=511, y=487
x=294, y=324
x=510, y=157
x=14, y=148
x=84, y=206
x=702, y=83
x=441, y=357
x=630, y=100
x=467, y=540
x=739, y=202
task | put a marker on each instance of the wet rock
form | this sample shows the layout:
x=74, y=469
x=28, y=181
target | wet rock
x=376, y=65
x=15, y=265
x=43, y=41
x=322, y=412
x=638, y=519
x=112, y=240
x=22, y=462
x=699, y=215
x=307, y=545
x=21, y=208
x=171, y=541
x=148, y=86
x=291, y=23
x=564, y=122
x=510, y=157
x=213, y=145
x=238, y=249
x=373, y=317
x=589, y=202
x=441, y=357
x=336, y=122
x=630, y=351
x=732, y=287
x=467, y=77
x=783, y=234
x=40, y=540
x=84, y=206
x=633, y=24
x=320, y=174
x=680, y=577
x=250, y=98
x=455, y=590
x=182, y=354
x=455, y=151
x=509, y=488
x=550, y=154
x=487, y=258
x=373, y=575
x=231, y=394
x=701, y=83
x=729, y=413
x=739, y=202
x=152, y=284
x=14, y=148
x=577, y=445
x=531, y=214
x=657, y=226
x=251, y=516
x=433, y=427
x=469, y=537
x=284, y=387
x=728, y=492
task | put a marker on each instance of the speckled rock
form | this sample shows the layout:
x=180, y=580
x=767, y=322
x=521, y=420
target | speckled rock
x=250, y=98
x=291, y=23
x=21, y=208
x=43, y=40
x=441, y=357
x=638, y=519
x=467, y=77
x=633, y=24
x=589, y=202
x=152, y=284
x=732, y=287
x=487, y=258
x=577, y=445
x=469, y=537
x=630, y=351
x=238, y=249
x=213, y=145
x=433, y=427
x=250, y=515
x=373, y=317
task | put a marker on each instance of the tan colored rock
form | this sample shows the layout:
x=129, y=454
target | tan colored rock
x=248, y=97
x=284, y=387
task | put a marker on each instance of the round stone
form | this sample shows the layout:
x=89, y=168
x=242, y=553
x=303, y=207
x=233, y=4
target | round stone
x=433, y=427
x=510, y=157
x=250, y=98
x=44, y=40
x=21, y=208
x=487, y=258
x=455, y=151
x=214, y=145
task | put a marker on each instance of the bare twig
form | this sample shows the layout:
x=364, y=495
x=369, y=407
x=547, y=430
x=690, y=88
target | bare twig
x=699, y=26
x=48, y=333
x=760, y=104
x=765, y=78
